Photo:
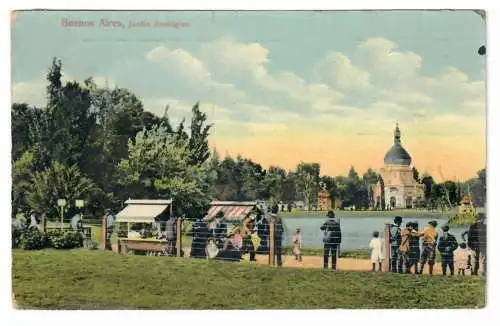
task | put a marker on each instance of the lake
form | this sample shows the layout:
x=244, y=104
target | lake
x=356, y=231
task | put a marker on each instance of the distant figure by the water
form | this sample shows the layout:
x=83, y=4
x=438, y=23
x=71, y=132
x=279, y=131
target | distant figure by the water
x=332, y=238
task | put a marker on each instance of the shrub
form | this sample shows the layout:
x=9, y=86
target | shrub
x=17, y=234
x=33, y=239
x=65, y=240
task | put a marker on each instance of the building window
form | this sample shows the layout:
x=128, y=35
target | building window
x=393, y=201
x=409, y=202
x=394, y=189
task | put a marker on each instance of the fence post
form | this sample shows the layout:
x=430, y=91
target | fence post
x=178, y=237
x=272, y=243
x=387, y=247
x=104, y=224
x=44, y=223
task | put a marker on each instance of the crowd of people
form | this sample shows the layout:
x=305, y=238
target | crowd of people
x=406, y=254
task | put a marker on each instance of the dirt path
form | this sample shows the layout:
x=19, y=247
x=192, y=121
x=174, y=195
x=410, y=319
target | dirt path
x=348, y=264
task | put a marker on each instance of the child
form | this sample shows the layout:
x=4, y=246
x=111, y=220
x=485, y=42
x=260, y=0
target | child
x=297, y=245
x=462, y=258
x=376, y=251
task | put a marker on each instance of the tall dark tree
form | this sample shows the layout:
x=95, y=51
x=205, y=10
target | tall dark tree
x=428, y=183
x=198, y=140
x=416, y=174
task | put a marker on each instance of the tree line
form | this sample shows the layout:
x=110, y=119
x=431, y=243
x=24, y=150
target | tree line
x=100, y=145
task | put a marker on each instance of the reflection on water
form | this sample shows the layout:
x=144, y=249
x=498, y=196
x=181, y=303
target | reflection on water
x=356, y=231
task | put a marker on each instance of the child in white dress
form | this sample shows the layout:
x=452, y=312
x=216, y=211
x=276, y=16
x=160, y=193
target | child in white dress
x=462, y=258
x=376, y=256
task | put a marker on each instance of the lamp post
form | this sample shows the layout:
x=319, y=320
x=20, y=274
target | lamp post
x=61, y=203
x=80, y=203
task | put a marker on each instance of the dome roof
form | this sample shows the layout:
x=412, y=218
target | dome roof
x=397, y=155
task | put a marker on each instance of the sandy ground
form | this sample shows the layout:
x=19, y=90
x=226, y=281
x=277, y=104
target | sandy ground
x=347, y=264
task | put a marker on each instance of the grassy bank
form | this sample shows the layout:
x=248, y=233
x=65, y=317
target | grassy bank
x=83, y=279
x=461, y=221
x=369, y=213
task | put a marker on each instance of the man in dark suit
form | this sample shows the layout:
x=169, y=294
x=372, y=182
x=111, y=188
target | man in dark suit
x=278, y=236
x=331, y=239
x=476, y=241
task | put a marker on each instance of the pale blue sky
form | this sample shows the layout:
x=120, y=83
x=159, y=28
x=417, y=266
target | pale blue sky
x=295, y=39
x=345, y=74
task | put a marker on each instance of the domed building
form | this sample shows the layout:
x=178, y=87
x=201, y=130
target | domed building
x=397, y=188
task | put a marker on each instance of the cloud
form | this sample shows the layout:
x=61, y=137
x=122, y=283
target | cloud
x=191, y=74
x=379, y=56
x=227, y=55
x=337, y=70
x=32, y=92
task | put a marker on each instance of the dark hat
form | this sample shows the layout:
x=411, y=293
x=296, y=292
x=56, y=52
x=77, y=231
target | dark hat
x=398, y=219
x=481, y=216
x=330, y=214
x=433, y=223
x=446, y=228
x=409, y=224
x=298, y=230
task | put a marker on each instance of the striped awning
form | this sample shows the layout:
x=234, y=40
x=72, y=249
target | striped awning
x=232, y=210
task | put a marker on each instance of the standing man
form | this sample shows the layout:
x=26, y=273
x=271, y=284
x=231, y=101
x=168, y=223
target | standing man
x=170, y=236
x=278, y=236
x=110, y=219
x=447, y=245
x=332, y=238
x=395, y=239
x=476, y=241
x=430, y=235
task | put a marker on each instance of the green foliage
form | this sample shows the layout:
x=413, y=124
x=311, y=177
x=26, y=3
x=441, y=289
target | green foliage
x=98, y=144
x=21, y=182
x=33, y=239
x=157, y=167
x=65, y=239
x=101, y=280
x=308, y=182
x=57, y=181
x=16, y=236
x=198, y=140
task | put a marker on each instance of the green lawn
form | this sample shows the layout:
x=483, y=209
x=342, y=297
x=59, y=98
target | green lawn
x=84, y=279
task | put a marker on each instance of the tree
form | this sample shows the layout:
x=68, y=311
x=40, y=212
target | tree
x=370, y=179
x=156, y=167
x=428, y=183
x=416, y=175
x=69, y=118
x=57, y=181
x=478, y=188
x=356, y=192
x=198, y=140
x=21, y=182
x=331, y=187
x=272, y=184
x=21, y=115
x=308, y=181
